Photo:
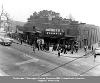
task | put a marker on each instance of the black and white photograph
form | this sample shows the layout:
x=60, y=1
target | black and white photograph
x=49, y=38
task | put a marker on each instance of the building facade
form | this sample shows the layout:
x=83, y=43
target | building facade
x=88, y=35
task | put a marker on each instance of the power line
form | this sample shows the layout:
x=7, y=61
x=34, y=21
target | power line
x=62, y=65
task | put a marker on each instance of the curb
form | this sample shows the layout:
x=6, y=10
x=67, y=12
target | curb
x=83, y=56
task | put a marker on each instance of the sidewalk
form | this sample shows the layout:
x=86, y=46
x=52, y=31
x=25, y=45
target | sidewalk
x=74, y=55
x=75, y=61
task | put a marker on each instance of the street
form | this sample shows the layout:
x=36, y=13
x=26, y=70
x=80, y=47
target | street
x=15, y=63
x=19, y=60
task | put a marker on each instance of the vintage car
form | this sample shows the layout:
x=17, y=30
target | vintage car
x=97, y=51
x=4, y=41
x=10, y=39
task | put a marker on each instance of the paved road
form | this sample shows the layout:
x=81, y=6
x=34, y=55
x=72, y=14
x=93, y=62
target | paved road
x=80, y=66
x=15, y=62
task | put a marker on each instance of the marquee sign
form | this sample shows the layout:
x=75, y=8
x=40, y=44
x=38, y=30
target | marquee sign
x=51, y=31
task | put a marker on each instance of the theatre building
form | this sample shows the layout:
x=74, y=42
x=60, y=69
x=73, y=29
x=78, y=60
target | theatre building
x=55, y=36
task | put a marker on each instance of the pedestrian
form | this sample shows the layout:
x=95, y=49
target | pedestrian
x=33, y=48
x=21, y=41
x=58, y=46
x=59, y=51
x=42, y=43
x=94, y=57
x=72, y=49
x=38, y=46
x=47, y=47
x=76, y=48
x=92, y=48
x=53, y=47
x=85, y=48
x=65, y=49
x=44, y=46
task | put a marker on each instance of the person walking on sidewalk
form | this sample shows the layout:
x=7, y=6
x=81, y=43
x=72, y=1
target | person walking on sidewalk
x=65, y=49
x=59, y=51
x=21, y=41
x=76, y=48
x=94, y=57
x=72, y=49
x=33, y=48
x=92, y=48
x=38, y=44
x=85, y=48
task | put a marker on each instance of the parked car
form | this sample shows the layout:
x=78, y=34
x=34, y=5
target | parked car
x=1, y=41
x=10, y=39
x=97, y=51
x=4, y=41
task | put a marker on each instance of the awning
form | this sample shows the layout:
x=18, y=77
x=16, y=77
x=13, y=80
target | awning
x=30, y=31
x=33, y=31
x=69, y=36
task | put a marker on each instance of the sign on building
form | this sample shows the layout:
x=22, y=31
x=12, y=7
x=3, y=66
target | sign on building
x=51, y=31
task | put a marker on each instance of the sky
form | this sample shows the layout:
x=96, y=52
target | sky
x=86, y=11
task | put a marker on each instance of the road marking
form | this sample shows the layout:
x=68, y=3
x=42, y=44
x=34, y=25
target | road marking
x=28, y=61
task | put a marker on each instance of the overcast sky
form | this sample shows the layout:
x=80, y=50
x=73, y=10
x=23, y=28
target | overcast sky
x=82, y=10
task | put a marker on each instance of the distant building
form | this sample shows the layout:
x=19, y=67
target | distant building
x=4, y=23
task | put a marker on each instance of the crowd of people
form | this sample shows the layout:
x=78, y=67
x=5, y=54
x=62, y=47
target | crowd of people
x=71, y=47
x=45, y=46
x=61, y=48
x=65, y=48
